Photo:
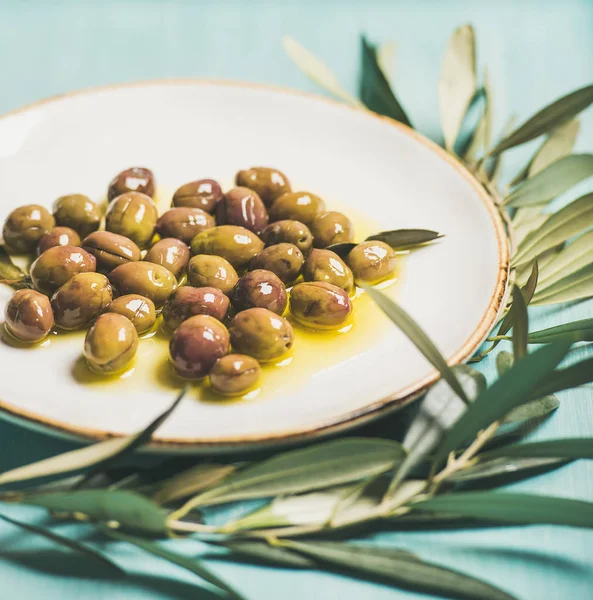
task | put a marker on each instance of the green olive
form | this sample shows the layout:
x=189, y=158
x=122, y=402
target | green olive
x=327, y=266
x=320, y=305
x=236, y=244
x=110, y=344
x=203, y=193
x=289, y=232
x=25, y=226
x=133, y=215
x=135, y=179
x=196, y=345
x=28, y=316
x=138, y=309
x=58, y=236
x=170, y=253
x=110, y=250
x=144, y=278
x=187, y=301
x=58, y=265
x=331, y=228
x=81, y=300
x=297, y=206
x=268, y=183
x=207, y=270
x=235, y=374
x=260, y=333
x=243, y=207
x=372, y=262
x=77, y=212
x=184, y=223
x=284, y=260
x=261, y=289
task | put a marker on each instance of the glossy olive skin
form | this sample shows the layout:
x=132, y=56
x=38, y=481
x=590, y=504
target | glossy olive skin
x=297, y=206
x=243, y=207
x=372, y=262
x=203, y=193
x=110, y=344
x=135, y=179
x=110, y=250
x=331, y=228
x=144, y=278
x=234, y=374
x=59, y=264
x=184, y=223
x=289, y=232
x=133, y=215
x=28, y=316
x=77, y=212
x=260, y=289
x=236, y=244
x=320, y=305
x=138, y=309
x=327, y=266
x=25, y=226
x=207, y=270
x=260, y=333
x=268, y=183
x=187, y=301
x=170, y=253
x=58, y=236
x=196, y=345
x=81, y=300
x=284, y=260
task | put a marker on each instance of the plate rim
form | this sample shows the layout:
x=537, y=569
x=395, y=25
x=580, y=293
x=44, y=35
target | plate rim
x=329, y=426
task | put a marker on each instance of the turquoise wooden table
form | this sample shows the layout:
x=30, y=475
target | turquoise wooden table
x=536, y=50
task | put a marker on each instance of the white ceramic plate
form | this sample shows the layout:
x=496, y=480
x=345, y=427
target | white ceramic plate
x=381, y=172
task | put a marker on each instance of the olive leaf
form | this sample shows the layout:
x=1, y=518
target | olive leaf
x=374, y=89
x=536, y=409
x=457, y=82
x=262, y=553
x=493, y=164
x=550, y=117
x=554, y=180
x=564, y=379
x=404, y=239
x=520, y=324
x=576, y=286
x=526, y=220
x=576, y=331
x=342, y=249
x=10, y=273
x=504, y=361
x=501, y=467
x=482, y=136
x=570, y=448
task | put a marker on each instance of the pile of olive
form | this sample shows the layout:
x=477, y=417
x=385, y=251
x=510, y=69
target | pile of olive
x=217, y=266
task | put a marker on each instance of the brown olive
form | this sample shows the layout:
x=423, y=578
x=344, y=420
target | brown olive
x=196, y=345
x=327, y=266
x=184, y=223
x=207, y=270
x=135, y=179
x=28, y=316
x=81, y=300
x=372, y=262
x=320, y=305
x=110, y=344
x=203, y=193
x=297, y=206
x=25, y=226
x=77, y=212
x=235, y=374
x=133, y=215
x=187, y=301
x=331, y=228
x=284, y=260
x=243, y=207
x=110, y=250
x=268, y=183
x=138, y=309
x=289, y=232
x=144, y=278
x=170, y=253
x=58, y=236
x=236, y=244
x=58, y=265
x=260, y=289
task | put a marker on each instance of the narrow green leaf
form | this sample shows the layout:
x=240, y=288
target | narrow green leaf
x=189, y=564
x=261, y=552
x=526, y=220
x=550, y=117
x=10, y=273
x=415, y=334
x=573, y=287
x=520, y=324
x=457, y=82
x=536, y=409
x=577, y=331
x=509, y=391
x=580, y=373
x=69, y=543
x=569, y=448
x=342, y=249
x=512, y=508
x=482, y=135
x=501, y=467
x=374, y=89
x=552, y=181
x=504, y=361
x=403, y=239
x=493, y=164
